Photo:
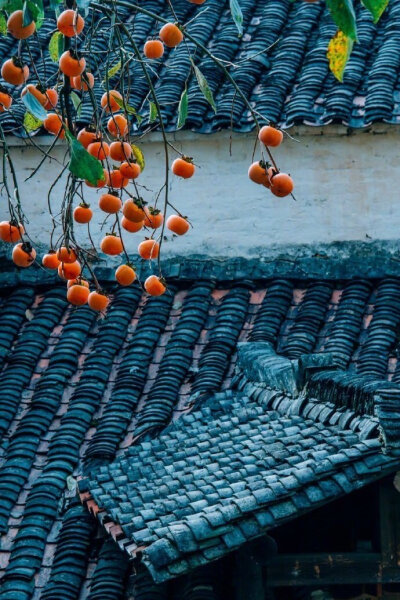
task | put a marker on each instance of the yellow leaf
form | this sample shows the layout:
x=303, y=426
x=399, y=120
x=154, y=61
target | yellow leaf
x=339, y=50
x=139, y=156
x=31, y=123
x=113, y=71
x=56, y=46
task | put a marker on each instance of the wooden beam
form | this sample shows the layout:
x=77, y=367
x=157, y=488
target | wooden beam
x=248, y=577
x=389, y=518
x=324, y=568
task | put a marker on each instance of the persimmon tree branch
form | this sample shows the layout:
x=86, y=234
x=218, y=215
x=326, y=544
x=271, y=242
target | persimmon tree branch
x=92, y=152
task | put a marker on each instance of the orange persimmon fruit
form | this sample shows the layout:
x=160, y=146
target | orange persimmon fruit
x=154, y=286
x=125, y=275
x=177, y=224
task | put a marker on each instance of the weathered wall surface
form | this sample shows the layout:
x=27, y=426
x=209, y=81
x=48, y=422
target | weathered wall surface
x=347, y=188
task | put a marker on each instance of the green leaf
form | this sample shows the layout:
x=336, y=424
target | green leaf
x=205, y=88
x=375, y=7
x=54, y=4
x=27, y=17
x=82, y=164
x=129, y=109
x=113, y=71
x=34, y=106
x=343, y=14
x=153, y=113
x=31, y=123
x=56, y=46
x=237, y=15
x=39, y=15
x=11, y=5
x=77, y=102
x=3, y=24
x=183, y=108
x=339, y=50
x=33, y=11
x=138, y=154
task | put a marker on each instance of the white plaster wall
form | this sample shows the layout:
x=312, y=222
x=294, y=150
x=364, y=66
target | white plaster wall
x=347, y=188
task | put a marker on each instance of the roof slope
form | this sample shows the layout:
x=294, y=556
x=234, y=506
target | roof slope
x=280, y=64
x=77, y=390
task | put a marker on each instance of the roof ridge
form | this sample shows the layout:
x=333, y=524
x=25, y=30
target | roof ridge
x=365, y=426
x=337, y=261
x=317, y=386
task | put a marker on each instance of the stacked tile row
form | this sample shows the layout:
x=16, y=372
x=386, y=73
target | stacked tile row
x=272, y=312
x=75, y=543
x=383, y=76
x=131, y=378
x=345, y=331
x=309, y=320
x=340, y=100
x=383, y=329
x=292, y=28
x=227, y=47
x=176, y=73
x=13, y=315
x=313, y=83
x=27, y=351
x=109, y=579
x=21, y=451
x=215, y=357
x=177, y=359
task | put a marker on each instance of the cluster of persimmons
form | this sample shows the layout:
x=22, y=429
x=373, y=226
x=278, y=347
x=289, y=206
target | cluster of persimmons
x=280, y=184
x=119, y=162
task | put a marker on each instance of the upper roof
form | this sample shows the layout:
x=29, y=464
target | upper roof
x=77, y=390
x=286, y=79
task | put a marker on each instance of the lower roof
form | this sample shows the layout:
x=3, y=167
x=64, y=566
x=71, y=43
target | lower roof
x=227, y=473
x=78, y=389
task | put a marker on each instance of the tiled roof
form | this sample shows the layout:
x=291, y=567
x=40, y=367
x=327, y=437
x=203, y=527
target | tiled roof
x=77, y=391
x=287, y=79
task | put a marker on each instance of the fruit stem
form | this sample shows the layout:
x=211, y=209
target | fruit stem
x=66, y=92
